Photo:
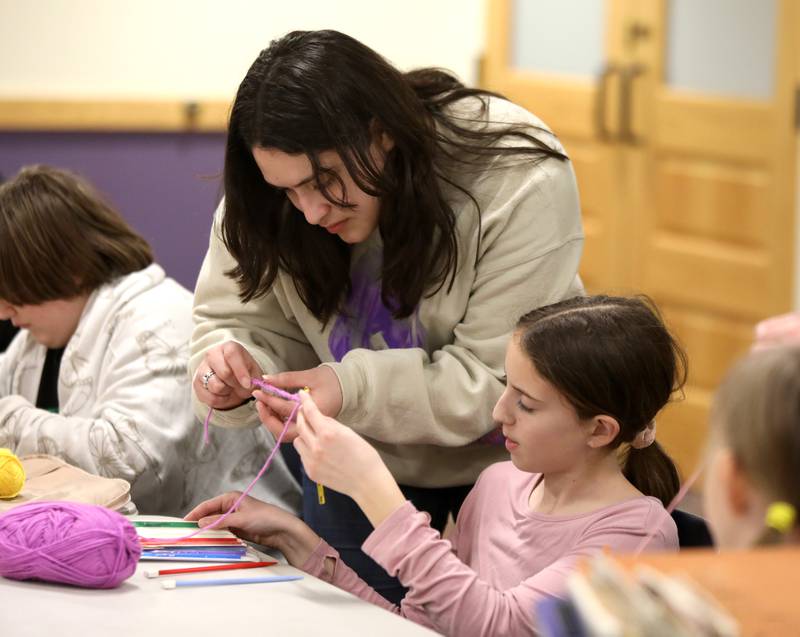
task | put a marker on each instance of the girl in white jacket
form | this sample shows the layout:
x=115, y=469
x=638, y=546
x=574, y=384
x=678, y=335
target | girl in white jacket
x=97, y=374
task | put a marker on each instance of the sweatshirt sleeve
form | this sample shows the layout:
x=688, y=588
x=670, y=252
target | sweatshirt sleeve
x=139, y=419
x=454, y=596
x=274, y=340
x=530, y=248
x=346, y=578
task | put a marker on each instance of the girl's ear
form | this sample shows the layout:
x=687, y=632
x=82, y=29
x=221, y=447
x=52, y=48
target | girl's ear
x=602, y=431
x=736, y=486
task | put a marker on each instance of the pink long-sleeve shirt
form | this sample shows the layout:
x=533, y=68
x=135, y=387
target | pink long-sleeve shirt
x=501, y=559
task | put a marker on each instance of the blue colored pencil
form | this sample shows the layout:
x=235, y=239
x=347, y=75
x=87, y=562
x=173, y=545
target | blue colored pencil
x=156, y=553
x=171, y=583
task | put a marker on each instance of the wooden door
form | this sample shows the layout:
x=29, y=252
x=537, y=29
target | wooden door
x=713, y=157
x=567, y=96
x=686, y=168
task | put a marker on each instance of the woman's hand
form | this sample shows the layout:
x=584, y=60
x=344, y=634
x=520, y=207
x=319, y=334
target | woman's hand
x=321, y=381
x=259, y=522
x=337, y=457
x=229, y=384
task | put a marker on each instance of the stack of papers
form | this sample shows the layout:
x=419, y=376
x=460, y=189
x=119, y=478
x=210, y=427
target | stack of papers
x=165, y=539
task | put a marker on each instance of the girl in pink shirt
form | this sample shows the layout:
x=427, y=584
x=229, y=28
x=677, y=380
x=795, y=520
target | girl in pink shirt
x=585, y=380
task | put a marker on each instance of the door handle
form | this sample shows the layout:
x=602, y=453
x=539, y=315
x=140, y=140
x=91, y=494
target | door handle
x=601, y=129
x=627, y=75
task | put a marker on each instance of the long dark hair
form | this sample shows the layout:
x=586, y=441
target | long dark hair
x=613, y=356
x=59, y=238
x=313, y=91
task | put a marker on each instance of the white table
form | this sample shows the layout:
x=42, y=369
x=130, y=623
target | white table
x=140, y=606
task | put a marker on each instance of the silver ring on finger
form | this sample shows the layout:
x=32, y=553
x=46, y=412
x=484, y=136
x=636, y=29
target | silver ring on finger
x=207, y=377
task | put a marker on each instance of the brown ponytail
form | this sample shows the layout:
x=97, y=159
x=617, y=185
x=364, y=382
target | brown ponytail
x=652, y=471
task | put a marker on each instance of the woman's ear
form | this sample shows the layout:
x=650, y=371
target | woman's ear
x=379, y=136
x=387, y=142
x=603, y=430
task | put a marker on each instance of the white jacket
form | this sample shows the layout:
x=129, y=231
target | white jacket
x=124, y=403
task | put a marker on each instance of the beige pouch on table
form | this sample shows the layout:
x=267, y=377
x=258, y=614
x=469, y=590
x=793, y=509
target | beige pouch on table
x=50, y=478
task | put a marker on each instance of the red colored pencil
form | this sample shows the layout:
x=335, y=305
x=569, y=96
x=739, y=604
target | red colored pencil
x=201, y=569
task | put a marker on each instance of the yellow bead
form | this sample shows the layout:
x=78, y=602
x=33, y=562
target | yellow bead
x=12, y=475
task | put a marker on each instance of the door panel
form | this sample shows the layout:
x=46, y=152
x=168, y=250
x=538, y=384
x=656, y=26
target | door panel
x=711, y=339
x=595, y=174
x=525, y=61
x=685, y=157
x=711, y=127
x=707, y=274
x=715, y=243
x=715, y=62
x=546, y=38
x=682, y=430
x=720, y=201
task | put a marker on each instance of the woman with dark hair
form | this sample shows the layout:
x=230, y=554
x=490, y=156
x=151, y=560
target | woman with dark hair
x=97, y=374
x=379, y=234
x=586, y=379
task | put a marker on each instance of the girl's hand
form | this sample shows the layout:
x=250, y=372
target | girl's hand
x=777, y=331
x=321, y=381
x=337, y=457
x=259, y=522
x=229, y=385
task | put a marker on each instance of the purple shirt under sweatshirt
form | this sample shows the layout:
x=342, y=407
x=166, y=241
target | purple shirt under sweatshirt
x=501, y=559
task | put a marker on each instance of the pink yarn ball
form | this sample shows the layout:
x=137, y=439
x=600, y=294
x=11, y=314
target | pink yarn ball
x=66, y=542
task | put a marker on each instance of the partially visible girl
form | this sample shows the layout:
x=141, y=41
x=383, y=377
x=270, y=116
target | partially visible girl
x=752, y=490
x=586, y=378
x=783, y=329
x=97, y=373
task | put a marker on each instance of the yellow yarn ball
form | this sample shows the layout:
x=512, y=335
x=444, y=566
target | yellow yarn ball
x=12, y=475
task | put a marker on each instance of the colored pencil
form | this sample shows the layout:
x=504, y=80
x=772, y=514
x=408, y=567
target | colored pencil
x=149, y=542
x=180, y=525
x=202, y=569
x=195, y=551
x=171, y=583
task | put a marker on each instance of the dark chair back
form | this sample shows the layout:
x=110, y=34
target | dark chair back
x=692, y=530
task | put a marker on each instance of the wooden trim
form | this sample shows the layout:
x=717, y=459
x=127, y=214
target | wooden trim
x=784, y=143
x=117, y=116
x=498, y=40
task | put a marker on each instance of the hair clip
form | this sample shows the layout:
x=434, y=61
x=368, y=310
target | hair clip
x=781, y=516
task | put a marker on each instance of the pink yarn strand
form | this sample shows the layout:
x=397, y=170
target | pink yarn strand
x=264, y=386
x=261, y=472
x=672, y=505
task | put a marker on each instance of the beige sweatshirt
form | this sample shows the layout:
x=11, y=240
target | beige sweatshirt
x=422, y=389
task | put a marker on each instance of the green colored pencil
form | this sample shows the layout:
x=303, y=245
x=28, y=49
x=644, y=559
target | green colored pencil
x=182, y=524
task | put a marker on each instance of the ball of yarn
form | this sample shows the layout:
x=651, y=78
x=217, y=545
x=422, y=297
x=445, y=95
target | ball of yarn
x=79, y=544
x=12, y=475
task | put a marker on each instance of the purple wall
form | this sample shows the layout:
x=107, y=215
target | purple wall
x=165, y=185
